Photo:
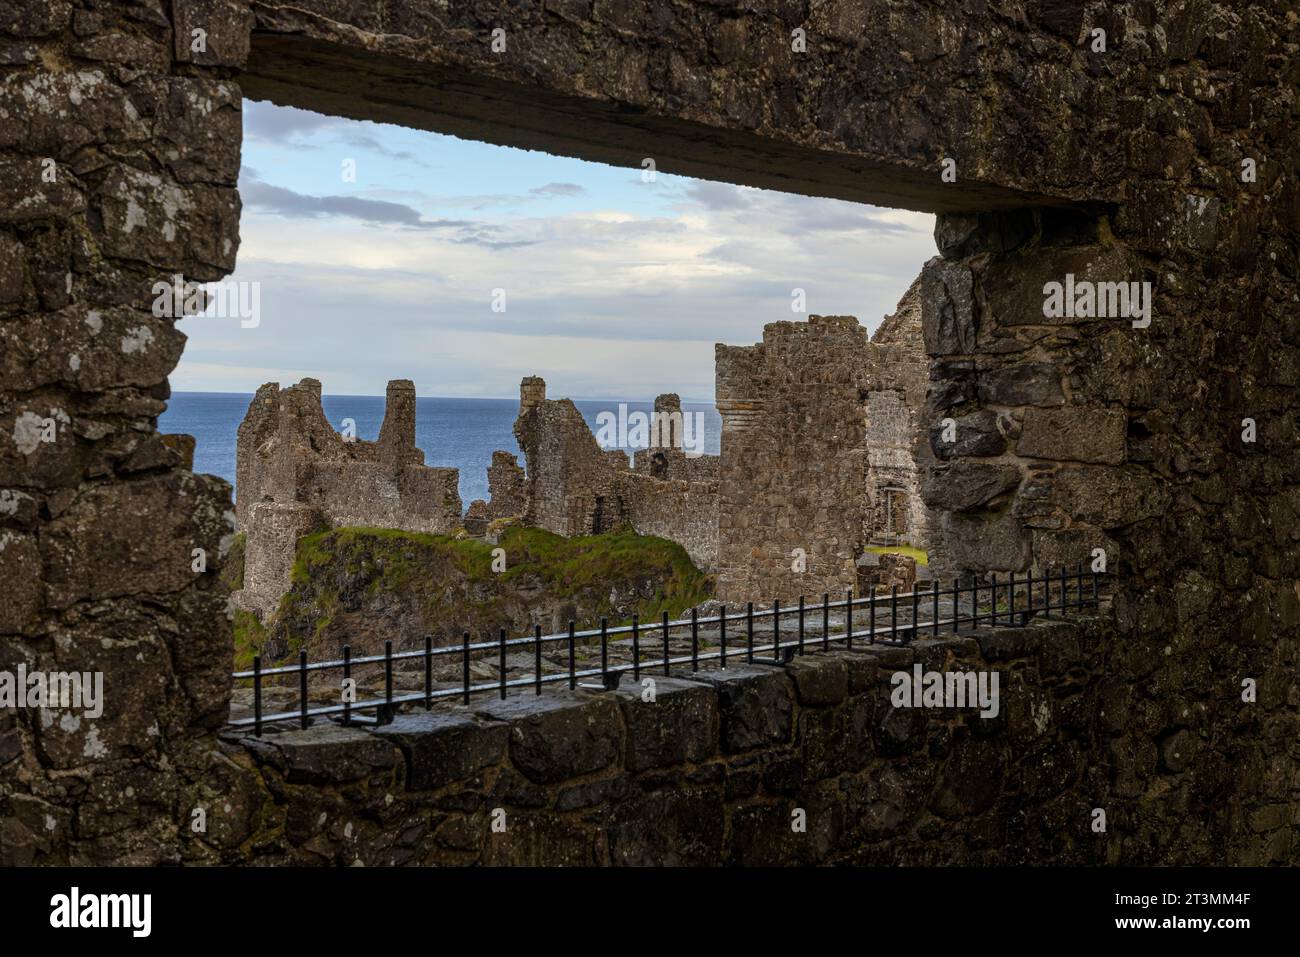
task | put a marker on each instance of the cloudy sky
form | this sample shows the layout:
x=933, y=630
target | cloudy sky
x=613, y=287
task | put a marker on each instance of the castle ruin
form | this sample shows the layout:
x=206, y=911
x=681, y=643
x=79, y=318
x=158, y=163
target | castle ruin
x=819, y=434
x=295, y=474
x=1169, y=157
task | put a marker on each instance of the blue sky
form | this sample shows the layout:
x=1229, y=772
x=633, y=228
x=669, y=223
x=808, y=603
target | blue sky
x=614, y=287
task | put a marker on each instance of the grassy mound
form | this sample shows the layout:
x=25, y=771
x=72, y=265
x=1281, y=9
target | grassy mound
x=361, y=586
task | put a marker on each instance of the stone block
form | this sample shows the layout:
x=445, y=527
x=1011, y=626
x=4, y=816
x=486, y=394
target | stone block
x=972, y=779
x=819, y=679
x=441, y=748
x=1013, y=288
x=983, y=542
x=756, y=705
x=1109, y=497
x=979, y=434
x=947, y=308
x=325, y=753
x=838, y=740
x=1027, y=383
x=961, y=486
x=687, y=831
x=556, y=737
x=679, y=727
x=223, y=26
x=1074, y=434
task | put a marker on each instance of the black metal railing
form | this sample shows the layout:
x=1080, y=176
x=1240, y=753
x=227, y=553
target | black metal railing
x=902, y=619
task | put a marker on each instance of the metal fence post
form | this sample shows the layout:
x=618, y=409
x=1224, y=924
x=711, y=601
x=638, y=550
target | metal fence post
x=722, y=635
x=636, y=648
x=257, y=696
x=776, y=629
x=695, y=639
x=667, y=660
x=573, y=677
x=537, y=659
x=302, y=688
x=428, y=672
x=502, y=659
x=347, y=676
x=465, y=664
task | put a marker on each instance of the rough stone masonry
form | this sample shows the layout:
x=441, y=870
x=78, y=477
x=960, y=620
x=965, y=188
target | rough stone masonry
x=1166, y=153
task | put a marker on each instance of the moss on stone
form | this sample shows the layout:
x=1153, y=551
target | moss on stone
x=917, y=554
x=250, y=638
x=232, y=566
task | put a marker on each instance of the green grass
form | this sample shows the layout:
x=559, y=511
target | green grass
x=250, y=638
x=921, y=557
x=450, y=579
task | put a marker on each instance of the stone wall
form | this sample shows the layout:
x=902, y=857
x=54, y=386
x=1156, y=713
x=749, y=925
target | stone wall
x=897, y=380
x=574, y=487
x=717, y=767
x=817, y=422
x=296, y=474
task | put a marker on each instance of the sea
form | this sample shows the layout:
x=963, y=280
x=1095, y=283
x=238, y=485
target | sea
x=455, y=432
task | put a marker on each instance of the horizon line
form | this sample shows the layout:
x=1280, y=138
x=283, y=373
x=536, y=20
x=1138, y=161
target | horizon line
x=493, y=398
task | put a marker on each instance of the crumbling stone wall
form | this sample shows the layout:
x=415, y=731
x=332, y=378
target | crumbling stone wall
x=296, y=474
x=817, y=422
x=574, y=487
x=507, y=487
x=897, y=379
x=1167, y=154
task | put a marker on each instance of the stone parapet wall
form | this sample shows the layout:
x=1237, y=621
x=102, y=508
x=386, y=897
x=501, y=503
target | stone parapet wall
x=716, y=768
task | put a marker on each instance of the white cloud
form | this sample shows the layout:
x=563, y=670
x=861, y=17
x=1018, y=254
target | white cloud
x=601, y=302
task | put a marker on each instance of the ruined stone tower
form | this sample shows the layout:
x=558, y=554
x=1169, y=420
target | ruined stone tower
x=297, y=474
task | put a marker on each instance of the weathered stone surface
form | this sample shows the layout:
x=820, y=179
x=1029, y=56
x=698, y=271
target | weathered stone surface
x=128, y=538
x=553, y=737
x=1012, y=289
x=819, y=680
x=689, y=833
x=1074, y=434
x=971, y=779
x=325, y=753
x=1109, y=497
x=948, y=312
x=986, y=543
x=960, y=486
x=442, y=748
x=959, y=235
x=679, y=727
x=222, y=32
x=980, y=434
x=755, y=704
x=1071, y=547
x=1034, y=383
